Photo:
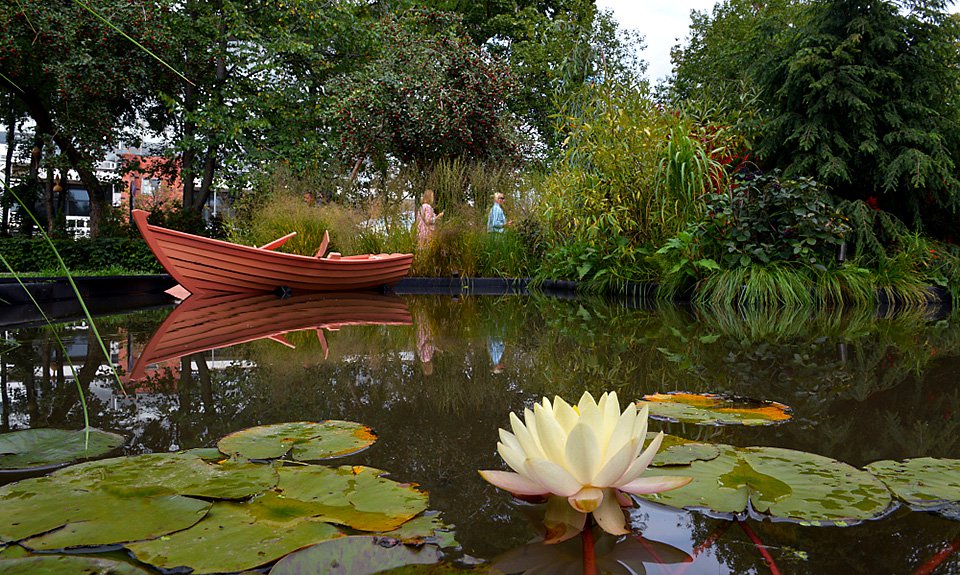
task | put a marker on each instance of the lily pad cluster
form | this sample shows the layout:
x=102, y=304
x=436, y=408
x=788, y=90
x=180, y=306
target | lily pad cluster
x=220, y=514
x=38, y=449
x=714, y=409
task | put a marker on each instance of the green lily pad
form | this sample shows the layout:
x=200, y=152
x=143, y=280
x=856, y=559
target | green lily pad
x=926, y=484
x=355, y=496
x=713, y=409
x=182, y=473
x=422, y=530
x=67, y=565
x=41, y=448
x=55, y=514
x=238, y=536
x=676, y=450
x=782, y=483
x=304, y=440
x=356, y=555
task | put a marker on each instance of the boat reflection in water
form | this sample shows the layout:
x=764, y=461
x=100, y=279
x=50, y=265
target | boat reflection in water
x=203, y=323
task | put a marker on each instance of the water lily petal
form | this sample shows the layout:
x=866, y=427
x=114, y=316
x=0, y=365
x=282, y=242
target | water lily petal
x=610, y=517
x=641, y=463
x=562, y=521
x=565, y=414
x=528, y=444
x=623, y=432
x=615, y=467
x=654, y=484
x=586, y=500
x=552, y=436
x=556, y=479
x=512, y=482
x=589, y=412
x=513, y=456
x=640, y=426
x=531, y=422
x=583, y=453
x=610, y=412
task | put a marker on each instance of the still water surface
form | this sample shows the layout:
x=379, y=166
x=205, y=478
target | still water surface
x=435, y=376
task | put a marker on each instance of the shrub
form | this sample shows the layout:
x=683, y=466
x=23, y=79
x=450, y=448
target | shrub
x=32, y=256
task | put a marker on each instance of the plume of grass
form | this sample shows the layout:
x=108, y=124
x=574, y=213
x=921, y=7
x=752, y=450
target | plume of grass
x=760, y=286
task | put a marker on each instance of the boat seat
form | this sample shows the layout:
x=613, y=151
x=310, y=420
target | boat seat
x=333, y=256
x=323, y=245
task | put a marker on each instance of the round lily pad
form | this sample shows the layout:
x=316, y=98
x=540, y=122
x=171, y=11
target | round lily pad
x=355, y=496
x=237, y=536
x=675, y=450
x=925, y=483
x=781, y=483
x=714, y=409
x=57, y=514
x=182, y=473
x=43, y=448
x=304, y=440
x=67, y=565
x=356, y=555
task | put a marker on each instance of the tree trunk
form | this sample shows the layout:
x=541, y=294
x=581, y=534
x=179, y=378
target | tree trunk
x=48, y=201
x=8, y=168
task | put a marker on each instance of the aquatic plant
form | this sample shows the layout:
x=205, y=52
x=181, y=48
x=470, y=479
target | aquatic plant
x=589, y=454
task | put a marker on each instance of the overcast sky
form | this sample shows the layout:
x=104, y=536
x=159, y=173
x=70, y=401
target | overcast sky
x=663, y=24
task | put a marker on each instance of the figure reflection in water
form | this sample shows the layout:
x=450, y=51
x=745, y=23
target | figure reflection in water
x=495, y=347
x=425, y=347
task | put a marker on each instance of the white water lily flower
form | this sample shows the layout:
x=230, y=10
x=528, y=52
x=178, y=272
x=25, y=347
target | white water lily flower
x=588, y=453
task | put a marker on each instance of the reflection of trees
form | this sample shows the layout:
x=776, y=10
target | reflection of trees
x=862, y=387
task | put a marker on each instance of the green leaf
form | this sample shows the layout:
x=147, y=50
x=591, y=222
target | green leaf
x=70, y=514
x=38, y=448
x=357, y=555
x=306, y=441
x=182, y=473
x=67, y=565
x=781, y=483
x=676, y=450
x=237, y=536
x=357, y=497
x=926, y=484
x=423, y=530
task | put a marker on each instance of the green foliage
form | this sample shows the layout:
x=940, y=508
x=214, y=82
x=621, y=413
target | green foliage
x=765, y=219
x=864, y=98
x=84, y=255
x=428, y=94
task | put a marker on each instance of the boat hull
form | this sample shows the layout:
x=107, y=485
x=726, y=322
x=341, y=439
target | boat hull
x=204, y=265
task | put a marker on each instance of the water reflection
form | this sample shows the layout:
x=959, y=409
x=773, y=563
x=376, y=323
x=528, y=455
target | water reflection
x=862, y=387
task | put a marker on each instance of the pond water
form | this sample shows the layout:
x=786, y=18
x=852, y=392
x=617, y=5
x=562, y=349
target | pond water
x=436, y=376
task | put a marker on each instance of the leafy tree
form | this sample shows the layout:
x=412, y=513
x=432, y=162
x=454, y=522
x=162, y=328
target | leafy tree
x=77, y=78
x=430, y=94
x=865, y=100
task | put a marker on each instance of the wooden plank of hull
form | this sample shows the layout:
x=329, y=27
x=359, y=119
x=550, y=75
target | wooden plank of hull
x=207, y=265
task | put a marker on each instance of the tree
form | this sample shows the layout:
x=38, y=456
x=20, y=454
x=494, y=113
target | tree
x=430, y=94
x=865, y=99
x=78, y=79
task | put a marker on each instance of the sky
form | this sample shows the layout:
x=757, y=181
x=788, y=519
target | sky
x=663, y=23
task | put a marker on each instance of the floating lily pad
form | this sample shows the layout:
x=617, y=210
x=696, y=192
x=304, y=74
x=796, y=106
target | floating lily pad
x=41, y=448
x=354, y=496
x=68, y=514
x=304, y=440
x=926, y=484
x=237, y=536
x=782, y=483
x=713, y=409
x=422, y=530
x=356, y=555
x=67, y=565
x=182, y=473
x=676, y=450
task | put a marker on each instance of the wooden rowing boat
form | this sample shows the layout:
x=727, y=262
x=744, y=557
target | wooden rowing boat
x=204, y=265
x=205, y=322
